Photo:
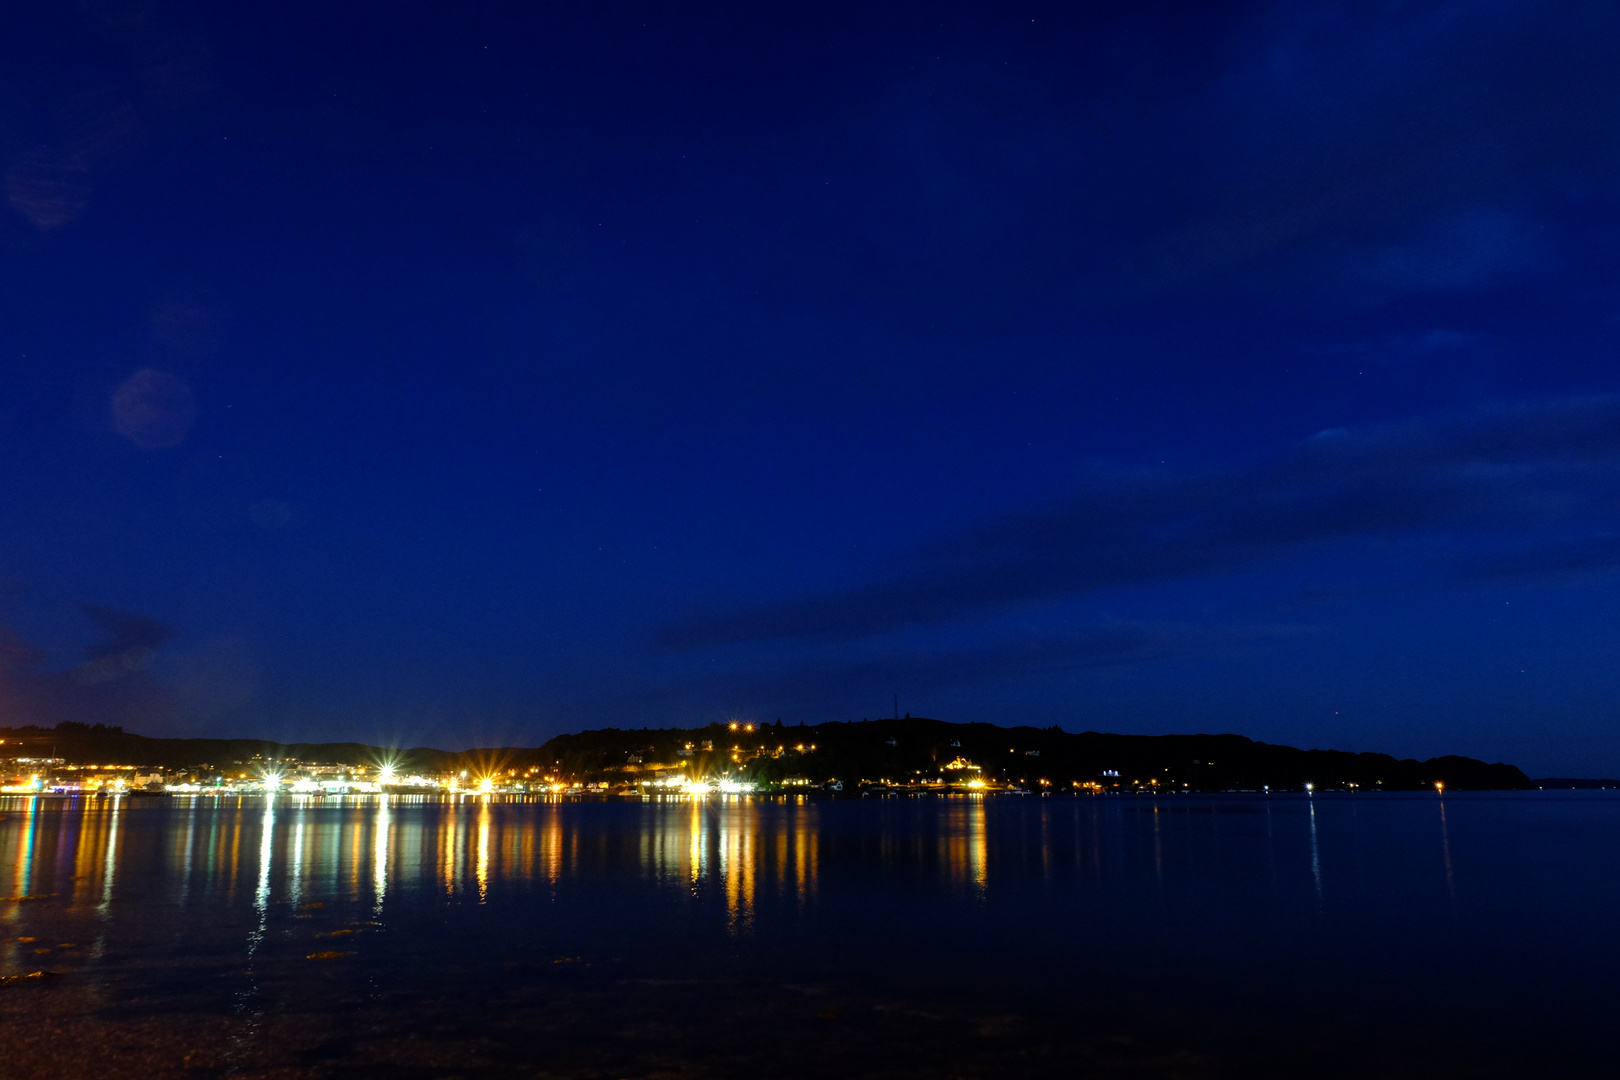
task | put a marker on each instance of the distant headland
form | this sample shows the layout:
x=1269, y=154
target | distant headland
x=909, y=754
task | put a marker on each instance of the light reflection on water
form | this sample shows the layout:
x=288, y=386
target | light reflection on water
x=290, y=846
x=198, y=847
x=295, y=849
x=1217, y=900
x=478, y=849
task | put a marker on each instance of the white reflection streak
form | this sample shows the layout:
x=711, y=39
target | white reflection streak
x=112, y=858
x=191, y=837
x=1445, y=851
x=261, y=895
x=379, y=858
x=1316, y=858
x=1158, y=845
x=726, y=848
x=298, y=861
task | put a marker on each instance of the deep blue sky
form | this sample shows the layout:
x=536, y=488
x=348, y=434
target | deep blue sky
x=468, y=373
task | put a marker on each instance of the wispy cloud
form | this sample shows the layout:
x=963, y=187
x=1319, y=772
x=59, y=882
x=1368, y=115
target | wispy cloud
x=1392, y=149
x=1462, y=250
x=870, y=673
x=1568, y=560
x=112, y=686
x=1509, y=468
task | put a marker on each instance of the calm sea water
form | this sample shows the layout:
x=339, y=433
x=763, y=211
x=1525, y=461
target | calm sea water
x=1224, y=936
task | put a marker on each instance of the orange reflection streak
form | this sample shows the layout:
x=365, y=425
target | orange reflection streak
x=551, y=843
x=329, y=867
x=696, y=843
x=483, y=851
x=447, y=844
x=965, y=849
x=806, y=841
x=357, y=847
x=749, y=866
x=20, y=876
x=87, y=844
x=235, y=845
x=978, y=844
x=731, y=873
x=738, y=864
x=953, y=845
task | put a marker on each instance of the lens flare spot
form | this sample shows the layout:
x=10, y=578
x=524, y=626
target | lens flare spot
x=154, y=409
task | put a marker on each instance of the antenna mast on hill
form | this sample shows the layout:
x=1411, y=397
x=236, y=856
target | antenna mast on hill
x=897, y=706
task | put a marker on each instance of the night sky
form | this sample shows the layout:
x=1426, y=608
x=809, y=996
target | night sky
x=464, y=374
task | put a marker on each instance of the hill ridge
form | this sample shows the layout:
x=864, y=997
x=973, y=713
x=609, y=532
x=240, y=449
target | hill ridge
x=864, y=752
